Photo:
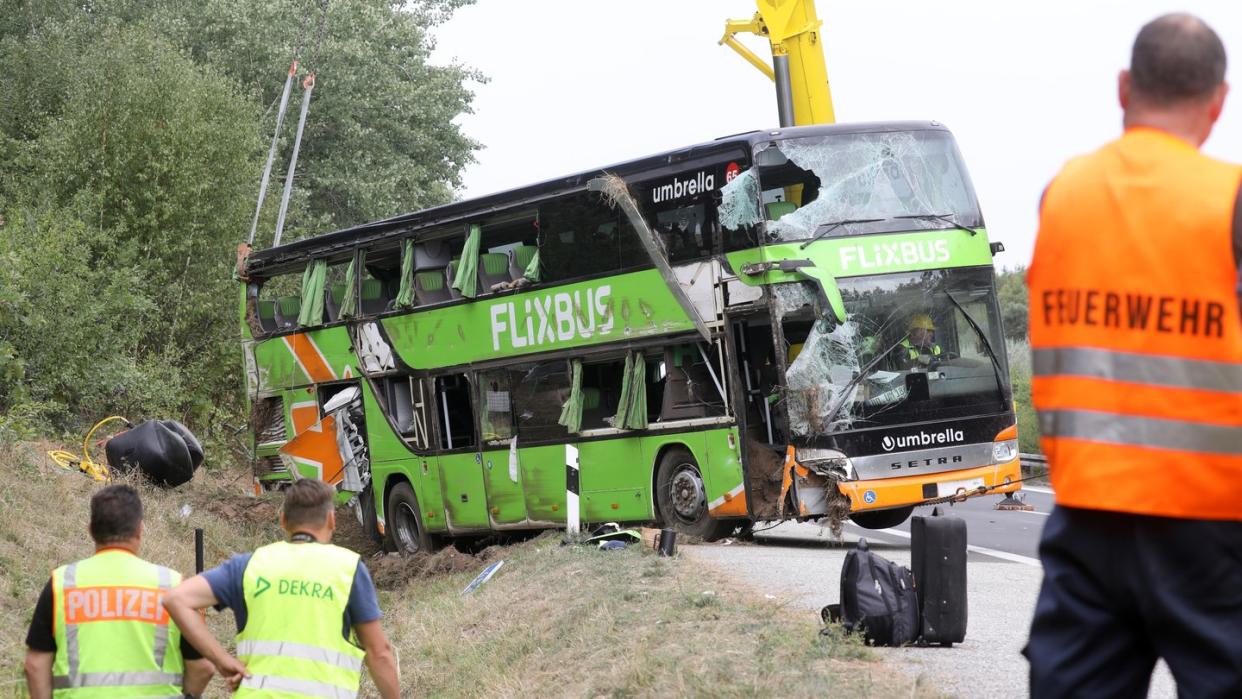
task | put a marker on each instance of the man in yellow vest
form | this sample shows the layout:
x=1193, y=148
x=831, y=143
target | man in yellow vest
x=918, y=347
x=306, y=612
x=98, y=627
x=1136, y=336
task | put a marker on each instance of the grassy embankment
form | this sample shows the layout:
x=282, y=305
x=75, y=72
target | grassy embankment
x=555, y=621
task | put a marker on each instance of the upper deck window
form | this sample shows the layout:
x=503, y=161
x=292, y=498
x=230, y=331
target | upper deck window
x=873, y=182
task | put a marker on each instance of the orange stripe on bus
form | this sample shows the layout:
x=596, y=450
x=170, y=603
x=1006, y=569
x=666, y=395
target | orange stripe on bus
x=308, y=356
x=84, y=605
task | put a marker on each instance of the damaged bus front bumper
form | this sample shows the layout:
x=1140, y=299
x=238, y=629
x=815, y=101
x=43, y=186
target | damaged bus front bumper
x=903, y=491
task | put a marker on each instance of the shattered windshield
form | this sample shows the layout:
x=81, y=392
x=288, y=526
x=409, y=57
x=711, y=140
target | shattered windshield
x=915, y=346
x=876, y=178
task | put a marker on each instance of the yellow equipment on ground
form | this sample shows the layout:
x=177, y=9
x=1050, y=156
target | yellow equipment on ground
x=72, y=462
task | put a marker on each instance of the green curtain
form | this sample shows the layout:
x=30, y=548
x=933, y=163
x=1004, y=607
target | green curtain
x=405, y=296
x=312, y=293
x=632, y=406
x=467, y=278
x=349, y=304
x=571, y=411
x=532, y=270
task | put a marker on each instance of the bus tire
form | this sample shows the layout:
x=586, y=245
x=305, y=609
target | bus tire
x=882, y=519
x=405, y=522
x=681, y=498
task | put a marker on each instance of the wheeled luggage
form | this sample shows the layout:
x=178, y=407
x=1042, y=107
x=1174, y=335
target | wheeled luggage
x=938, y=556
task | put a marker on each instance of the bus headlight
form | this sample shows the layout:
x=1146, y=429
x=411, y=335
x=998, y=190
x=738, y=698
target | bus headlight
x=826, y=462
x=1004, y=451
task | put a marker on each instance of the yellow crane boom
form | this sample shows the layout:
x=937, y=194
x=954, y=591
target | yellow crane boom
x=803, y=95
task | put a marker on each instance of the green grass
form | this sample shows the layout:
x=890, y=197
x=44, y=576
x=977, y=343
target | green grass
x=555, y=620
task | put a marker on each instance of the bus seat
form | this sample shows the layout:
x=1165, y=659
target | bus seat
x=794, y=350
x=429, y=287
x=402, y=405
x=332, y=302
x=776, y=209
x=519, y=260
x=267, y=315
x=432, y=254
x=592, y=415
x=287, y=309
x=689, y=391
x=450, y=272
x=372, y=296
x=493, y=269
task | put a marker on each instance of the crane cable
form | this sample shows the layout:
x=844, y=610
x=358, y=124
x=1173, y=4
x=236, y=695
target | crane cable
x=280, y=114
x=308, y=86
x=87, y=465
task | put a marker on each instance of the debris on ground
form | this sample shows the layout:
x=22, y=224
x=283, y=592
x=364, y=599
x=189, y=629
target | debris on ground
x=244, y=508
x=483, y=577
x=1015, y=501
x=392, y=570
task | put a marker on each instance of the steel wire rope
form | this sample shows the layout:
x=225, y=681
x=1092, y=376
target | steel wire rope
x=280, y=119
x=308, y=86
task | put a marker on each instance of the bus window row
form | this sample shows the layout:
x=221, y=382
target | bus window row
x=531, y=401
x=575, y=236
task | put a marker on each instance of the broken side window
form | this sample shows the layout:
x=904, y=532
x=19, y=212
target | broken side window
x=875, y=178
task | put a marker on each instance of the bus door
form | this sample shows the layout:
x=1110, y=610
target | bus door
x=501, y=461
x=615, y=475
x=459, y=460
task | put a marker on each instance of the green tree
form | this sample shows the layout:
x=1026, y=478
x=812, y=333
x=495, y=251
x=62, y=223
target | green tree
x=132, y=197
x=380, y=137
x=132, y=136
x=1011, y=292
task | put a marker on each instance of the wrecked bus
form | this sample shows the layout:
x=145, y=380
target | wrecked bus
x=787, y=324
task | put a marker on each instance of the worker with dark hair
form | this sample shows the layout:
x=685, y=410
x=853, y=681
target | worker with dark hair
x=1136, y=337
x=99, y=629
x=306, y=611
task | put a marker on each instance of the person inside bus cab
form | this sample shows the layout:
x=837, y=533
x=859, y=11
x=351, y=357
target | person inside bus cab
x=919, y=347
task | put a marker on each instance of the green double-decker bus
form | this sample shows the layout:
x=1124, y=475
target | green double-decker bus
x=798, y=323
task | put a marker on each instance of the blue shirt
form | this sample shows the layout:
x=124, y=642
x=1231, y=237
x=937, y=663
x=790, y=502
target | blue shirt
x=226, y=584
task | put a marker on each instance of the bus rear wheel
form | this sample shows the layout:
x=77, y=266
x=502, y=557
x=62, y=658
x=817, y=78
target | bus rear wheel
x=681, y=498
x=882, y=519
x=406, y=534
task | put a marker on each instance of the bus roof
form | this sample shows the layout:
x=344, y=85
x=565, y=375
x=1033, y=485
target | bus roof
x=523, y=196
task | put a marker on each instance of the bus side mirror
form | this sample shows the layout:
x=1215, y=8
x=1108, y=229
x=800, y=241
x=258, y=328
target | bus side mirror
x=996, y=248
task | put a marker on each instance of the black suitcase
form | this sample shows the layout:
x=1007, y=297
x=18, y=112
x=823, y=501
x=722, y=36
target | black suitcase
x=938, y=557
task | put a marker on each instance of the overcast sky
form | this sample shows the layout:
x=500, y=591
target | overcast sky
x=578, y=84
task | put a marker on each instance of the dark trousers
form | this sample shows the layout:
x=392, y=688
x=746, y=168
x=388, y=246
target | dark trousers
x=1122, y=590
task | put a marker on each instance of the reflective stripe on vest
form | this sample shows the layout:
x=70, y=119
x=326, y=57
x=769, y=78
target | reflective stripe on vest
x=300, y=650
x=296, y=596
x=1136, y=331
x=108, y=599
x=934, y=350
x=269, y=683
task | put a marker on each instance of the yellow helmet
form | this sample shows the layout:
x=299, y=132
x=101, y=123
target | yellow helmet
x=922, y=321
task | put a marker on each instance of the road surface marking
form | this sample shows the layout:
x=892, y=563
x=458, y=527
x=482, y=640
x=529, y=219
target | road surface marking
x=1039, y=489
x=1034, y=512
x=1003, y=555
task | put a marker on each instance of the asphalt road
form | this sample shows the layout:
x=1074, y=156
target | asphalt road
x=800, y=564
x=1014, y=532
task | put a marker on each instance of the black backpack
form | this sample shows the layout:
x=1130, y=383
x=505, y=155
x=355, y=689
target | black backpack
x=877, y=599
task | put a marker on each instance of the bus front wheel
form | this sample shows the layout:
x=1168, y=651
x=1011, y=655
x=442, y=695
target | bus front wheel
x=681, y=498
x=405, y=523
x=882, y=519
